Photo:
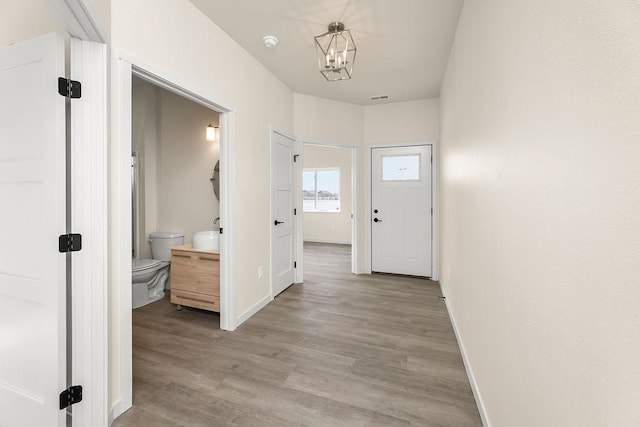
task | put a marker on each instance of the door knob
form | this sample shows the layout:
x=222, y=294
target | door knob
x=375, y=211
x=377, y=220
x=276, y=222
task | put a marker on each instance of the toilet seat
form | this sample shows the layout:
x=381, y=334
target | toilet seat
x=140, y=265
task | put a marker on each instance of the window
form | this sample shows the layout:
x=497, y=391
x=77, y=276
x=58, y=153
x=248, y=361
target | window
x=401, y=168
x=321, y=190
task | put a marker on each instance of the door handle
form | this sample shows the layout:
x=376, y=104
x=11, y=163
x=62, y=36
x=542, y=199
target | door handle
x=377, y=220
x=276, y=222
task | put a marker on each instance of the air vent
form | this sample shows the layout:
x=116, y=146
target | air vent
x=379, y=97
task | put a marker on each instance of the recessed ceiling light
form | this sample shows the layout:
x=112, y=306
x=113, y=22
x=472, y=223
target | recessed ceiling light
x=270, y=41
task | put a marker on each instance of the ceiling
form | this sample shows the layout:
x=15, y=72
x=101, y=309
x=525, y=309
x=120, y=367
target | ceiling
x=403, y=45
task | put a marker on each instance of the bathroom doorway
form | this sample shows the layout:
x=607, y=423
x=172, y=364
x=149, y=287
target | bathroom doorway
x=128, y=73
x=329, y=205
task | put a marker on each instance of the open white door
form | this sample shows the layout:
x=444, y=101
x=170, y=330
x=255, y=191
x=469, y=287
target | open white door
x=282, y=241
x=401, y=210
x=33, y=215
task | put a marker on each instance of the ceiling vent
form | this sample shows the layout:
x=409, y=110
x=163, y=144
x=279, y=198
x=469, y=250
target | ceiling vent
x=379, y=97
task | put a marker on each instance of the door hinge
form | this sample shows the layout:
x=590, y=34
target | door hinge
x=70, y=242
x=295, y=211
x=221, y=230
x=295, y=264
x=295, y=157
x=69, y=88
x=70, y=396
x=431, y=211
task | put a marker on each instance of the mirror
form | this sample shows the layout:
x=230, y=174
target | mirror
x=215, y=180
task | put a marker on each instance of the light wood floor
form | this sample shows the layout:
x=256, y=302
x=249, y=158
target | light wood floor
x=338, y=350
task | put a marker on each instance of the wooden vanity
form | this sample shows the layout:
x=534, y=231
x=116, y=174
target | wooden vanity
x=195, y=278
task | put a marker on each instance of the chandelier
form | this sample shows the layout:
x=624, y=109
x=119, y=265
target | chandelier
x=336, y=52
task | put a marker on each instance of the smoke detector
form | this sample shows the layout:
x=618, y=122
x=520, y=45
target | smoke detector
x=270, y=41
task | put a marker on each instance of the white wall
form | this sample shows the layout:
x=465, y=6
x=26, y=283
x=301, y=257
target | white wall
x=540, y=193
x=331, y=227
x=26, y=19
x=186, y=201
x=175, y=163
x=177, y=40
x=402, y=122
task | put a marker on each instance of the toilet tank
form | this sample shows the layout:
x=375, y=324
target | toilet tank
x=162, y=242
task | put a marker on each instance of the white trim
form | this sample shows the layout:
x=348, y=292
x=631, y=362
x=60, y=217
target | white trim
x=330, y=144
x=127, y=67
x=253, y=310
x=367, y=215
x=117, y=409
x=227, y=126
x=402, y=144
x=77, y=19
x=121, y=251
x=335, y=242
x=467, y=365
x=435, y=219
x=89, y=217
x=434, y=201
x=299, y=244
x=355, y=195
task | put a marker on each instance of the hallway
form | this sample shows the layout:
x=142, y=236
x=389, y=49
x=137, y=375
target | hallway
x=338, y=350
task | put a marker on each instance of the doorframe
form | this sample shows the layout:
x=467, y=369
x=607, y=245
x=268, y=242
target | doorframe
x=128, y=66
x=296, y=200
x=355, y=173
x=435, y=273
x=89, y=311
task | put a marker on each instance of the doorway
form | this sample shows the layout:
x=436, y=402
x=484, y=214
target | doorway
x=329, y=176
x=127, y=69
x=402, y=210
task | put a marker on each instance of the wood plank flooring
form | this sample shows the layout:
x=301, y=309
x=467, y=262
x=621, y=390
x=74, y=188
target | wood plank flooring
x=338, y=350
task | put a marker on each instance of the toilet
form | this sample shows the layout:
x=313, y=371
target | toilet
x=150, y=277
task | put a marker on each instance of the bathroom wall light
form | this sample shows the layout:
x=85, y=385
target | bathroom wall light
x=211, y=132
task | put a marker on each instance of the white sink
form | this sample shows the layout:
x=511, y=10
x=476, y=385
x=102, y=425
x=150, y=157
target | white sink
x=206, y=240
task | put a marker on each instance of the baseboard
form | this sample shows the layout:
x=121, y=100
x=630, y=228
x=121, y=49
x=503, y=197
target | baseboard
x=335, y=242
x=467, y=366
x=253, y=310
x=116, y=410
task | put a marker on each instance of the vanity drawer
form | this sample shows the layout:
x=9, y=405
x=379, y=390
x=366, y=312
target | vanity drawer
x=194, y=299
x=184, y=258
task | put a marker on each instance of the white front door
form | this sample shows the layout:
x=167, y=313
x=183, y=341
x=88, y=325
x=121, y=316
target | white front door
x=33, y=215
x=282, y=249
x=401, y=210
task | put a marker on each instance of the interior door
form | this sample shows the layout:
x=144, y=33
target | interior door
x=282, y=236
x=33, y=215
x=401, y=210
